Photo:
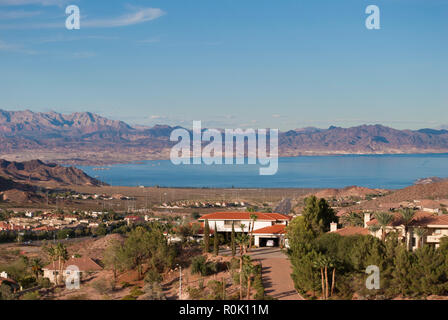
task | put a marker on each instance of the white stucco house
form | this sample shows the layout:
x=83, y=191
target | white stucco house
x=78, y=266
x=267, y=226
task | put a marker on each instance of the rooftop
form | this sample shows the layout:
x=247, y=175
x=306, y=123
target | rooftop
x=244, y=216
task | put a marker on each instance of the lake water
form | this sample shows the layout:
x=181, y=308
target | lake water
x=373, y=171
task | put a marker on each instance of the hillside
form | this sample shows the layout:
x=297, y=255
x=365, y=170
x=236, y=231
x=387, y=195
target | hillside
x=352, y=191
x=435, y=190
x=17, y=192
x=87, y=138
x=37, y=172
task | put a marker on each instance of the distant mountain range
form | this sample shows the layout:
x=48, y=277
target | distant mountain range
x=87, y=138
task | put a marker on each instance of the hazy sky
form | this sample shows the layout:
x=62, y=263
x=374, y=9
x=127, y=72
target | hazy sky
x=230, y=63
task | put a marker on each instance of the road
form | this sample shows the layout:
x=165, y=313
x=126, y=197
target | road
x=276, y=270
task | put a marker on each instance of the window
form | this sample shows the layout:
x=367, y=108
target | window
x=228, y=223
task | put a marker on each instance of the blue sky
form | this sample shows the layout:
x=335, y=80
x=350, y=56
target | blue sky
x=230, y=63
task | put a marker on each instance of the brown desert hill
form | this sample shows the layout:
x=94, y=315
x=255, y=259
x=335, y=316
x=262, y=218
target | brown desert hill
x=435, y=190
x=17, y=192
x=351, y=191
x=38, y=172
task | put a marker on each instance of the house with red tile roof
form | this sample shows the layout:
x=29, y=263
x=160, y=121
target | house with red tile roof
x=72, y=266
x=351, y=231
x=436, y=227
x=267, y=226
x=134, y=219
x=5, y=280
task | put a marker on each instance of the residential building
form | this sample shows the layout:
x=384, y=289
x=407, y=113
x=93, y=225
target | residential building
x=267, y=226
x=83, y=265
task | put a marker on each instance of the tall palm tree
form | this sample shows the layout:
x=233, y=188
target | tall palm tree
x=420, y=233
x=242, y=241
x=319, y=264
x=406, y=216
x=62, y=256
x=384, y=219
x=51, y=252
x=36, y=267
x=253, y=218
x=248, y=270
x=354, y=219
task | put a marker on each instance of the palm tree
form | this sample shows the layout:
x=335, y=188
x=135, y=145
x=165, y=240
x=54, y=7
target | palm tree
x=406, y=216
x=354, y=219
x=248, y=269
x=384, y=219
x=36, y=267
x=319, y=264
x=253, y=218
x=242, y=241
x=420, y=233
x=324, y=263
x=51, y=252
x=62, y=256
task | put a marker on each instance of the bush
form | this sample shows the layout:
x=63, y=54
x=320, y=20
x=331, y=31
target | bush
x=152, y=276
x=195, y=293
x=199, y=265
x=6, y=292
x=102, y=286
x=217, y=289
x=136, y=292
x=236, y=278
x=234, y=264
x=31, y=296
x=153, y=291
x=44, y=282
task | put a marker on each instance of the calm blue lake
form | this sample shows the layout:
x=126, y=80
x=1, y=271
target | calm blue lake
x=373, y=171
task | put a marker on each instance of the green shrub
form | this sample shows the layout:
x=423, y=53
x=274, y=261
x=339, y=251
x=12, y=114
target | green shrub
x=217, y=289
x=152, y=276
x=31, y=296
x=136, y=291
x=199, y=265
x=44, y=282
x=195, y=293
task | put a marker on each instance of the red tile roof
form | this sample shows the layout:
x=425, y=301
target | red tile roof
x=45, y=228
x=244, y=216
x=84, y=264
x=133, y=217
x=421, y=218
x=8, y=280
x=351, y=231
x=275, y=229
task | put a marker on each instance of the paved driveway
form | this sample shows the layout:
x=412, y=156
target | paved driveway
x=276, y=270
x=276, y=273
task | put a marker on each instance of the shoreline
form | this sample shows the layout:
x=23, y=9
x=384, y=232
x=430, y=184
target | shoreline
x=114, y=159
